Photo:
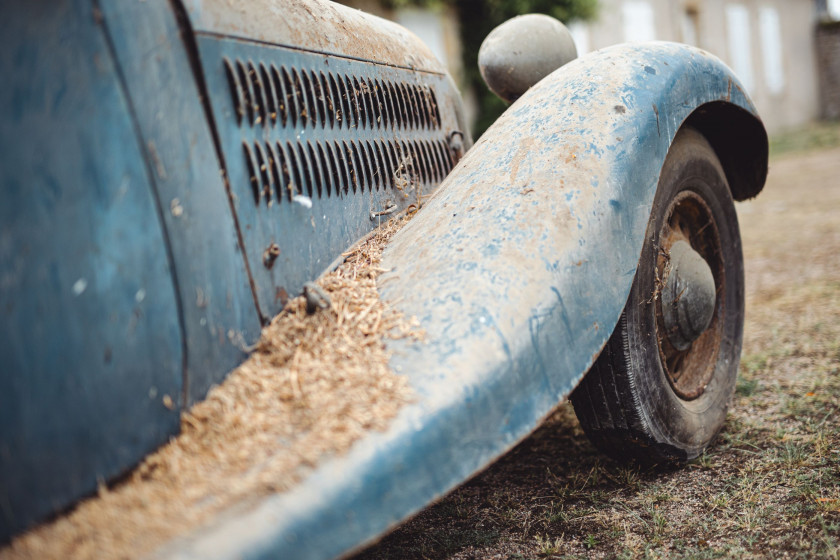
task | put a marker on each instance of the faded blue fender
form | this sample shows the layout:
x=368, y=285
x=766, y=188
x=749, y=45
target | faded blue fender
x=518, y=269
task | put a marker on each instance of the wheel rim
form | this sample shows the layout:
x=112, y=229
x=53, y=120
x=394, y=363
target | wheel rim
x=690, y=369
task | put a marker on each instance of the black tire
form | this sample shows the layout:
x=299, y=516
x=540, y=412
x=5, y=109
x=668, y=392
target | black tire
x=644, y=400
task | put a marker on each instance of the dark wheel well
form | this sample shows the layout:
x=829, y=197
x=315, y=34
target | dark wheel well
x=740, y=143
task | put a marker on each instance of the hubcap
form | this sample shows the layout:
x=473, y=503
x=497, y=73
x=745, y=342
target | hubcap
x=689, y=298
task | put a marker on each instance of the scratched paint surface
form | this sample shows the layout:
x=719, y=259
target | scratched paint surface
x=216, y=305
x=90, y=345
x=518, y=269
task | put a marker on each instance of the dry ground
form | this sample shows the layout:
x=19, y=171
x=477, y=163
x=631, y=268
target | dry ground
x=770, y=485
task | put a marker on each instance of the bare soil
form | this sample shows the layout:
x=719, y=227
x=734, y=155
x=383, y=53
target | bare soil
x=770, y=485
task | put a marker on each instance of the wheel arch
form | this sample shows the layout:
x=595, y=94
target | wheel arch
x=740, y=142
x=518, y=269
x=554, y=200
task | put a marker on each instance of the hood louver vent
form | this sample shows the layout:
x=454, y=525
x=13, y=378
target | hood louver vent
x=268, y=95
x=354, y=129
x=282, y=170
x=319, y=149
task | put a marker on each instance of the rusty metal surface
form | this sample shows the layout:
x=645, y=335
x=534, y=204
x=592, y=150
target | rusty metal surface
x=314, y=25
x=518, y=269
x=689, y=367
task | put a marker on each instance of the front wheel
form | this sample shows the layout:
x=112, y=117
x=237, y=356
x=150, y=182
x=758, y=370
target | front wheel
x=659, y=391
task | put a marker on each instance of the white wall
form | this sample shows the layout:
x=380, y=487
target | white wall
x=834, y=9
x=639, y=21
x=768, y=43
x=739, y=39
x=771, y=49
x=427, y=25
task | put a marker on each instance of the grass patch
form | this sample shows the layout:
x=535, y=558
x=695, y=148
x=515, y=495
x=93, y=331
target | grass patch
x=746, y=387
x=813, y=136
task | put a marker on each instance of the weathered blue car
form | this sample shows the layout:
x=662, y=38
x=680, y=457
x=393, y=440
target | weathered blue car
x=148, y=232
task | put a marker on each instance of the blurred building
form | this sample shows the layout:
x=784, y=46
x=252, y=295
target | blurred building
x=828, y=57
x=770, y=44
x=786, y=52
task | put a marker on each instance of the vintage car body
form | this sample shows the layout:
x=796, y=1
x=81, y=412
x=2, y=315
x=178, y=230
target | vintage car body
x=149, y=181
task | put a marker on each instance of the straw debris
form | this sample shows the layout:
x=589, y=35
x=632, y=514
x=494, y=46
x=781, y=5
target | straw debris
x=314, y=385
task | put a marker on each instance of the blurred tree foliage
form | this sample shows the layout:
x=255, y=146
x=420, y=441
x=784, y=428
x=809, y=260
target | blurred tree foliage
x=478, y=18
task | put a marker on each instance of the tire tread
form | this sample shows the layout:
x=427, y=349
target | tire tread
x=614, y=401
x=624, y=436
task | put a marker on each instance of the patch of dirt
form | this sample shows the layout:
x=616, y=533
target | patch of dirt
x=770, y=485
x=271, y=420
